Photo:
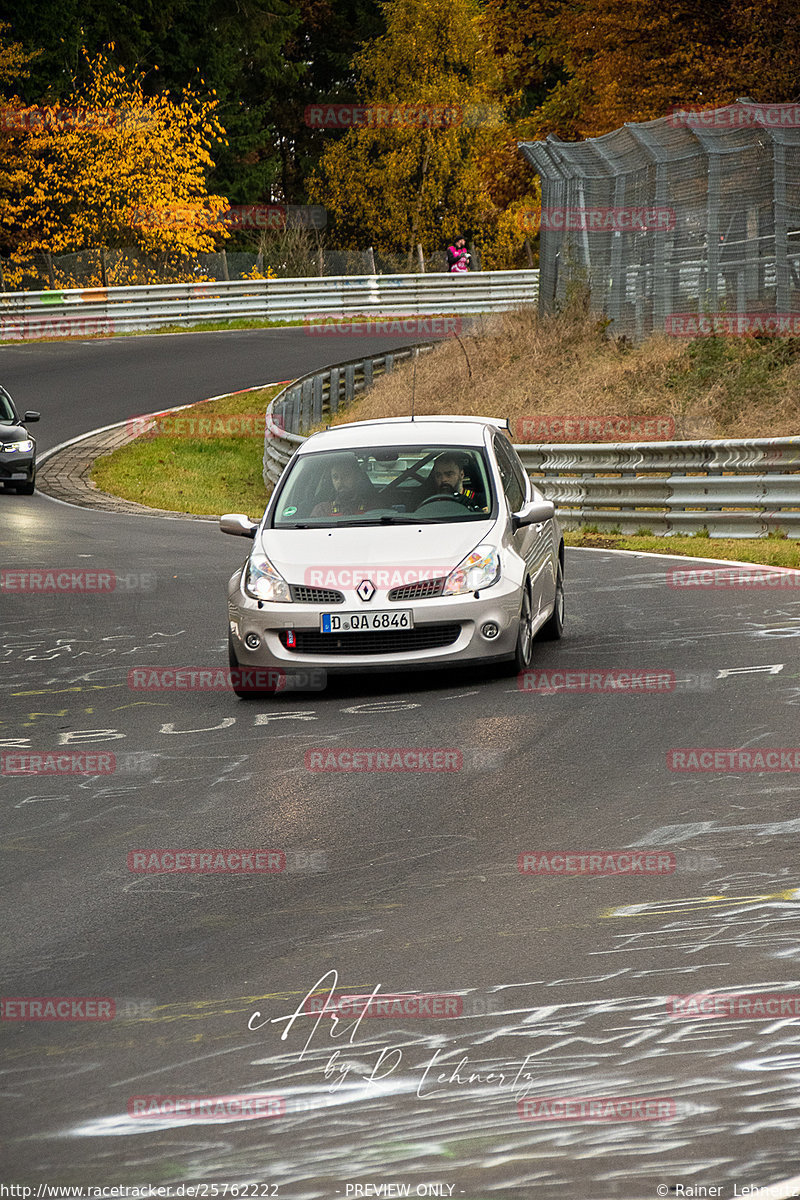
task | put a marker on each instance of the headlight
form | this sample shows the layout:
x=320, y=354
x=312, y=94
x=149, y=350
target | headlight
x=22, y=447
x=263, y=582
x=479, y=570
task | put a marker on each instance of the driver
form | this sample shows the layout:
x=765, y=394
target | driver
x=448, y=479
x=353, y=493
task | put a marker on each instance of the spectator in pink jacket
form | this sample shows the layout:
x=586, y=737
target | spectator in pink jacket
x=458, y=257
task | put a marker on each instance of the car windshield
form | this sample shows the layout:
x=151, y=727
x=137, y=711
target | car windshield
x=386, y=485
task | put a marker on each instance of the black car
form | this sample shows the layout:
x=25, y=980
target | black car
x=17, y=447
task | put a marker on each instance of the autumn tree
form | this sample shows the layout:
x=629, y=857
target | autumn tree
x=589, y=66
x=112, y=167
x=416, y=175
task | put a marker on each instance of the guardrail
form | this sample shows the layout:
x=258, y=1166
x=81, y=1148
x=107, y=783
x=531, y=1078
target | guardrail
x=734, y=488
x=82, y=312
x=737, y=488
x=307, y=400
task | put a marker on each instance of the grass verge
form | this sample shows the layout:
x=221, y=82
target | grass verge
x=217, y=472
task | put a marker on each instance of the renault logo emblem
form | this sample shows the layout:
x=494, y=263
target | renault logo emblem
x=365, y=590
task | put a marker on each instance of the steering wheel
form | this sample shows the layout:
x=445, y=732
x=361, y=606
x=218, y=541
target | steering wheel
x=458, y=496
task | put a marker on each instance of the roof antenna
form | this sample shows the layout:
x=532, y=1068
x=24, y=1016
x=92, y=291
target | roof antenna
x=415, y=352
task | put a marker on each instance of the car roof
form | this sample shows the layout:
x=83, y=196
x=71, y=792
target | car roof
x=422, y=431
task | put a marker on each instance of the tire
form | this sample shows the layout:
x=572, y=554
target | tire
x=523, y=654
x=26, y=489
x=553, y=627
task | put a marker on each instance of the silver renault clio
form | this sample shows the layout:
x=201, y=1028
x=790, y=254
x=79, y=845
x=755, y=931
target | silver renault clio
x=397, y=544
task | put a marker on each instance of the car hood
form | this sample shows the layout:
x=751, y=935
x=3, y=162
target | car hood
x=333, y=557
x=14, y=433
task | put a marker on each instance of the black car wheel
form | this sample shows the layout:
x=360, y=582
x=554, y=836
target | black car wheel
x=553, y=628
x=523, y=655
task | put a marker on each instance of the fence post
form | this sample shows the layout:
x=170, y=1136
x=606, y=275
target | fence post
x=225, y=274
x=780, y=209
x=712, y=235
x=421, y=258
x=371, y=261
x=305, y=405
x=316, y=400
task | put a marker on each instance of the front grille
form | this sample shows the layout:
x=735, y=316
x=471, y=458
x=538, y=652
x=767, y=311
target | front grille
x=398, y=641
x=315, y=595
x=424, y=590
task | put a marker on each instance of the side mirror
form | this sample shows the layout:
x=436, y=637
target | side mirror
x=31, y=416
x=238, y=524
x=534, y=513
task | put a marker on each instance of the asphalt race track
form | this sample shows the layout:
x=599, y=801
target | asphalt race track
x=555, y=986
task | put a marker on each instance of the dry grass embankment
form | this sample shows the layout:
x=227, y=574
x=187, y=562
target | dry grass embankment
x=519, y=366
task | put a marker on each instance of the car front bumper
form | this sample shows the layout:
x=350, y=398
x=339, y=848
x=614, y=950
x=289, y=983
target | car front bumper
x=458, y=620
x=16, y=467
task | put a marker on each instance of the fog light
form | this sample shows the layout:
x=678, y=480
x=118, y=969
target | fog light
x=490, y=630
x=252, y=641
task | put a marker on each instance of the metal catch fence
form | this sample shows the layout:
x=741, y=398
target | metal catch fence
x=694, y=214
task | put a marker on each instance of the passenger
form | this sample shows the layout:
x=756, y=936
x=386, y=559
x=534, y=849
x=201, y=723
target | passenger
x=353, y=492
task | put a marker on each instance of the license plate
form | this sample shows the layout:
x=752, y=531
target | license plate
x=18, y=475
x=367, y=622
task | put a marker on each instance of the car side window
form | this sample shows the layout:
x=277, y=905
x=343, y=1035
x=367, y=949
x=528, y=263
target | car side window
x=512, y=477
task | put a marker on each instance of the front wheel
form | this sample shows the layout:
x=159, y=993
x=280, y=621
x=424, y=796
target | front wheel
x=523, y=654
x=553, y=627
